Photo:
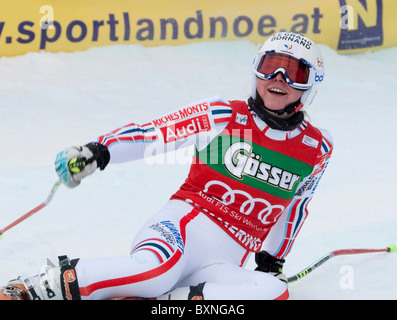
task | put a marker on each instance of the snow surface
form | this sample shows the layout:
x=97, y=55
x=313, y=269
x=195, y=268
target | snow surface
x=49, y=101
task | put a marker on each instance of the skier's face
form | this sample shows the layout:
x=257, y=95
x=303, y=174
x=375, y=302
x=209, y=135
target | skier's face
x=276, y=93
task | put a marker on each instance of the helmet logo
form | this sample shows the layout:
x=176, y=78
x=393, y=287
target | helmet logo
x=288, y=47
x=318, y=77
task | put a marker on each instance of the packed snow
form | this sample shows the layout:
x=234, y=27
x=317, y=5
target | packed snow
x=49, y=101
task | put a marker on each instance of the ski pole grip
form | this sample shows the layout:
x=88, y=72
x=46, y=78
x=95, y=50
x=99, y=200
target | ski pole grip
x=77, y=164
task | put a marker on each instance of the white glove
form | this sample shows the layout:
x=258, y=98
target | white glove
x=73, y=164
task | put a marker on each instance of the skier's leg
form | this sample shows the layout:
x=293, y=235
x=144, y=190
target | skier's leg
x=154, y=266
x=230, y=282
x=221, y=274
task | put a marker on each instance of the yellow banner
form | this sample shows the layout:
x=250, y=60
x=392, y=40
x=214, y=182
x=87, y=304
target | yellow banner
x=71, y=25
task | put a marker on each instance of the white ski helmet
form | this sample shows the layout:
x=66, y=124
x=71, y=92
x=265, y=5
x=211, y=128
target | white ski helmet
x=298, y=49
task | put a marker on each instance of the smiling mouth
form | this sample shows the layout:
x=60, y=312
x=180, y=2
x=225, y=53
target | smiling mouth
x=277, y=91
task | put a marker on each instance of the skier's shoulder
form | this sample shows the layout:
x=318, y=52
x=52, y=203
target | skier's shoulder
x=220, y=110
x=323, y=141
x=216, y=108
x=218, y=105
x=325, y=135
x=327, y=139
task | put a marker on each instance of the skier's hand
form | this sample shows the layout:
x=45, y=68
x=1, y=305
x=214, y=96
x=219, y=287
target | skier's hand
x=75, y=163
x=71, y=165
x=269, y=264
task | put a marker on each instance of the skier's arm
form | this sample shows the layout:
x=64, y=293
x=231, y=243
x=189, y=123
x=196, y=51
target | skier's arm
x=193, y=124
x=283, y=234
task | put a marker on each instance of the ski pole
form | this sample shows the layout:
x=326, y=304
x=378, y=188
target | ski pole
x=34, y=210
x=328, y=256
x=75, y=165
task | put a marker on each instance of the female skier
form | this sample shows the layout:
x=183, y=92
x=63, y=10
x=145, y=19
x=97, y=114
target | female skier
x=256, y=166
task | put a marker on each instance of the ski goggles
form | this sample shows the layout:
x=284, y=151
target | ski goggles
x=297, y=72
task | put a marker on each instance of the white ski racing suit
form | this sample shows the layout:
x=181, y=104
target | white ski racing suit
x=248, y=190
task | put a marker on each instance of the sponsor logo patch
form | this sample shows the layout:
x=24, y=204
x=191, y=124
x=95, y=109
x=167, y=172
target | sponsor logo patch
x=241, y=119
x=183, y=129
x=310, y=141
x=69, y=276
